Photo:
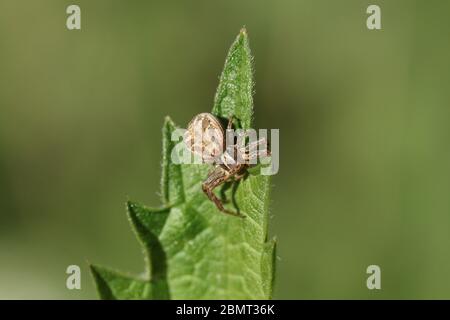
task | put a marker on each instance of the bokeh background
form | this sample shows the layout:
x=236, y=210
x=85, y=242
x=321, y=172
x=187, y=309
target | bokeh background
x=363, y=117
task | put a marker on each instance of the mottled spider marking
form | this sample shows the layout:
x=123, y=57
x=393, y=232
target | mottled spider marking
x=205, y=137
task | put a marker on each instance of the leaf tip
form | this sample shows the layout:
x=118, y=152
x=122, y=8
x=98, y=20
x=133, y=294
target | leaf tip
x=130, y=205
x=242, y=40
x=168, y=123
x=96, y=272
x=132, y=208
x=92, y=269
x=101, y=282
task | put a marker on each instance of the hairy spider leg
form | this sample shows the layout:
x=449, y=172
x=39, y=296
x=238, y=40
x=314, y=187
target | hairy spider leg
x=230, y=123
x=250, y=152
x=218, y=177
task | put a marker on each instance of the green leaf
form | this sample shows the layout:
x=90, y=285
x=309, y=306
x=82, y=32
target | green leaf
x=234, y=94
x=192, y=250
x=113, y=285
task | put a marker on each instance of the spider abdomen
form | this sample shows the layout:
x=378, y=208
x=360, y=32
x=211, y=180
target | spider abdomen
x=205, y=137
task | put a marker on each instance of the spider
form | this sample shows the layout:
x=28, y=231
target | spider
x=205, y=137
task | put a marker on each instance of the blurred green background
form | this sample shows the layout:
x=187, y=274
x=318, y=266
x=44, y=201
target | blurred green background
x=364, y=127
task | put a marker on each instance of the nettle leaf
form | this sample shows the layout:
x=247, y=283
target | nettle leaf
x=192, y=250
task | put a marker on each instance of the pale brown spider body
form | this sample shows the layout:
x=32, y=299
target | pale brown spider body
x=205, y=137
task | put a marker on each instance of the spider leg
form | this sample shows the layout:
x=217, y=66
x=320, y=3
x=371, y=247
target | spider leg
x=218, y=177
x=239, y=176
x=223, y=196
x=230, y=123
x=250, y=152
x=257, y=144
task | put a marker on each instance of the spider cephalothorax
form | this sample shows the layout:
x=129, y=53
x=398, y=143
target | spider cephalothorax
x=205, y=137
